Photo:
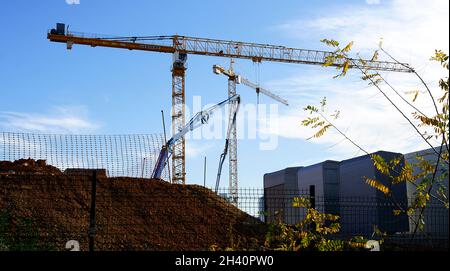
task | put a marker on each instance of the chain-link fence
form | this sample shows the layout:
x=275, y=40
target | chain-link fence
x=119, y=155
x=59, y=191
x=371, y=217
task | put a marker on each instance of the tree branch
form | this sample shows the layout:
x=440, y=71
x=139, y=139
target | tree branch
x=396, y=107
x=427, y=88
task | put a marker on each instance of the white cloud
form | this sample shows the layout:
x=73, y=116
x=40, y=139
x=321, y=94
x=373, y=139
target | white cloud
x=73, y=2
x=411, y=30
x=197, y=148
x=373, y=2
x=61, y=119
x=366, y=116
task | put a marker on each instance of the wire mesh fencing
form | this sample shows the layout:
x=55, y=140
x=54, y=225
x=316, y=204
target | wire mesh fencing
x=48, y=212
x=95, y=191
x=371, y=217
x=119, y=155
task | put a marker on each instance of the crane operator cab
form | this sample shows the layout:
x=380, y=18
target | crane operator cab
x=179, y=60
x=59, y=30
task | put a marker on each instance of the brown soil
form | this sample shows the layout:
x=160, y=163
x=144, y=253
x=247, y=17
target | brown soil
x=29, y=165
x=131, y=214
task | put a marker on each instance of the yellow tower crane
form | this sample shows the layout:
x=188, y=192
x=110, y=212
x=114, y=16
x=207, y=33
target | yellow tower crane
x=181, y=46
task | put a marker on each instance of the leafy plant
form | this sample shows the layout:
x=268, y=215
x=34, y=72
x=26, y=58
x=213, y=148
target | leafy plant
x=313, y=232
x=423, y=174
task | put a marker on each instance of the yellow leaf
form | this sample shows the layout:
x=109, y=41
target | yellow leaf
x=415, y=93
x=377, y=185
x=298, y=202
x=415, y=96
x=362, y=61
x=397, y=212
x=375, y=56
x=345, y=69
x=348, y=47
x=321, y=132
x=369, y=76
x=319, y=124
x=330, y=42
x=380, y=164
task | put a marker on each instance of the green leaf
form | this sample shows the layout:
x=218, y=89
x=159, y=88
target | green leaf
x=309, y=121
x=328, y=42
x=311, y=109
x=323, y=103
x=336, y=114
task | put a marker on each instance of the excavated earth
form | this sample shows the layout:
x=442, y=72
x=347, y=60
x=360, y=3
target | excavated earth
x=130, y=213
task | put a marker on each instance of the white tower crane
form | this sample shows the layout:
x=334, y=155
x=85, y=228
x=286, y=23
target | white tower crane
x=234, y=79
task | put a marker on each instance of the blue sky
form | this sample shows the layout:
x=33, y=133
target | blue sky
x=110, y=91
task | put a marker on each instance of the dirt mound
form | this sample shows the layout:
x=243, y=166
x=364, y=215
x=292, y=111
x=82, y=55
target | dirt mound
x=27, y=166
x=131, y=214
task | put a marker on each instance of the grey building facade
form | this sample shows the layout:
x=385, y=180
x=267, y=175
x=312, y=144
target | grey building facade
x=341, y=189
x=325, y=179
x=361, y=206
x=435, y=215
x=280, y=187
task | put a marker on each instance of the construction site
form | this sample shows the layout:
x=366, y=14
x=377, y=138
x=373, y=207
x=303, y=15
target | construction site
x=130, y=192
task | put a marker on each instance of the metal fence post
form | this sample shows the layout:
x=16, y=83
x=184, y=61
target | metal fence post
x=312, y=201
x=92, y=211
x=312, y=196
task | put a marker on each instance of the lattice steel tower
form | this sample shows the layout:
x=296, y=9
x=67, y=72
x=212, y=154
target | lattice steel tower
x=233, y=173
x=178, y=116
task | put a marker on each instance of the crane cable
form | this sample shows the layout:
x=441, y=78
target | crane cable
x=257, y=71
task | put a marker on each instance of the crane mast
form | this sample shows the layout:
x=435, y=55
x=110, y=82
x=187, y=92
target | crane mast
x=232, y=135
x=231, y=140
x=178, y=116
x=181, y=46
